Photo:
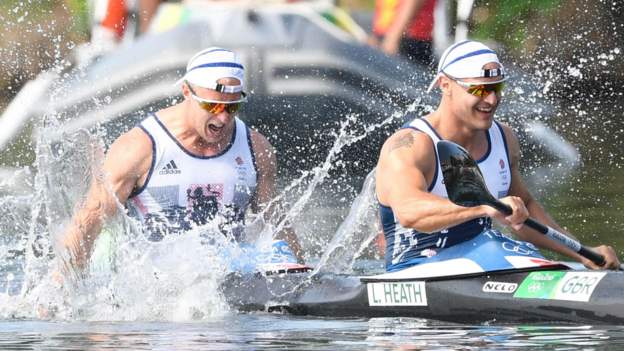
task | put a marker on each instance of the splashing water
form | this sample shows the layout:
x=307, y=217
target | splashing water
x=356, y=232
x=130, y=278
x=140, y=281
x=136, y=279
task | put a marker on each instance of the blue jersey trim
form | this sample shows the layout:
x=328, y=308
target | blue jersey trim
x=489, y=149
x=435, y=151
x=432, y=129
x=388, y=226
x=227, y=148
x=500, y=127
x=251, y=150
x=437, y=166
x=136, y=192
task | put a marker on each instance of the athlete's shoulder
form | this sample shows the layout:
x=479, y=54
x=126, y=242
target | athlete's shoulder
x=508, y=132
x=505, y=128
x=128, y=159
x=408, y=149
x=132, y=148
x=135, y=138
x=408, y=137
x=259, y=142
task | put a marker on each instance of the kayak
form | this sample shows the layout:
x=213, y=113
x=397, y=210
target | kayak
x=492, y=278
x=547, y=294
x=509, y=284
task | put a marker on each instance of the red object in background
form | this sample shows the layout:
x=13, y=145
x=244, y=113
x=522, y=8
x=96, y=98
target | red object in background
x=420, y=27
x=116, y=17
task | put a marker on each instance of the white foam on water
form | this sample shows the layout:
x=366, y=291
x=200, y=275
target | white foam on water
x=131, y=278
x=176, y=279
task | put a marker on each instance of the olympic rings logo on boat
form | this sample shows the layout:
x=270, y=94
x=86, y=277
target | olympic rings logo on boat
x=518, y=249
x=534, y=287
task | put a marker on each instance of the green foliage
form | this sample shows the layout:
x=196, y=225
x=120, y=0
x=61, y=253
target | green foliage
x=33, y=9
x=80, y=12
x=509, y=21
x=350, y=5
x=37, y=11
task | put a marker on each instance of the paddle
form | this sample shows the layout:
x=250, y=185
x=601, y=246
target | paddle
x=466, y=187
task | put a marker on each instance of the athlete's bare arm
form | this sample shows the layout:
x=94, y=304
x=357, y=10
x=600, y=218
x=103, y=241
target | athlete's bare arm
x=125, y=167
x=536, y=211
x=406, y=167
x=266, y=189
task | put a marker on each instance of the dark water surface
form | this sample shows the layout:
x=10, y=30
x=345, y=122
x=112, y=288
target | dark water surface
x=590, y=202
x=263, y=331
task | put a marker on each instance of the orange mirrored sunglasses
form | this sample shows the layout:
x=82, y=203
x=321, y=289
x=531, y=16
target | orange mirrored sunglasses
x=482, y=89
x=216, y=107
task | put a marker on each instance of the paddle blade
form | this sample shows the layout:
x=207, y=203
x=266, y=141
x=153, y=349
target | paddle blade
x=463, y=180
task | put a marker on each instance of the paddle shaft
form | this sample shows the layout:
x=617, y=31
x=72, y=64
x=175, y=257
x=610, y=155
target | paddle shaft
x=555, y=235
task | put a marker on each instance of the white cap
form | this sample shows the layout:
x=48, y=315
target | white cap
x=209, y=65
x=466, y=60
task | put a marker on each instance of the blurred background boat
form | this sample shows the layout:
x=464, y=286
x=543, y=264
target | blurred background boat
x=307, y=66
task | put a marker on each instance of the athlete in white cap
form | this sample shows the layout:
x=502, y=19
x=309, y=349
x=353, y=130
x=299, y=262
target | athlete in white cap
x=418, y=220
x=187, y=164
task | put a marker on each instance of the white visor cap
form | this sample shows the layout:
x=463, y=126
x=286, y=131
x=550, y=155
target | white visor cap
x=466, y=60
x=209, y=65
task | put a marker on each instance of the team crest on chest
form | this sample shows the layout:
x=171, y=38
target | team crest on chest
x=241, y=169
x=209, y=195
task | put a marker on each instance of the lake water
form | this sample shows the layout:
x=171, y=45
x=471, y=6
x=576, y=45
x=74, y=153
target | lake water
x=590, y=201
x=269, y=331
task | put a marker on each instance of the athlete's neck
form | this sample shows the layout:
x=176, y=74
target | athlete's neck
x=187, y=135
x=453, y=129
x=204, y=148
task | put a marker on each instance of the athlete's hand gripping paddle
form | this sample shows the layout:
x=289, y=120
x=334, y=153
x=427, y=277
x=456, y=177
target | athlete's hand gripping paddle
x=466, y=187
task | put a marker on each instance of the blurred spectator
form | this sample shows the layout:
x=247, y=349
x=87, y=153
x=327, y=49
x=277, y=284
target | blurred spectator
x=147, y=10
x=110, y=18
x=404, y=27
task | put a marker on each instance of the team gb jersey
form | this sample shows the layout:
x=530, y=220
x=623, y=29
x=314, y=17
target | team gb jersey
x=183, y=190
x=406, y=246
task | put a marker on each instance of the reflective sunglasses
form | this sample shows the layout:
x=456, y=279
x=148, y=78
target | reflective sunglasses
x=481, y=89
x=216, y=107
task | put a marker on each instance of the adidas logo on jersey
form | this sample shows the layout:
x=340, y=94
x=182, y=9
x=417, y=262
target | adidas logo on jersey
x=170, y=168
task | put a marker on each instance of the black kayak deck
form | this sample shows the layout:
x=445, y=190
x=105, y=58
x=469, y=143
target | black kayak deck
x=583, y=297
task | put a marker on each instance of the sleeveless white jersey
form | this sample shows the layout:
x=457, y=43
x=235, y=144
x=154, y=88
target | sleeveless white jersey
x=183, y=190
x=494, y=165
x=406, y=246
